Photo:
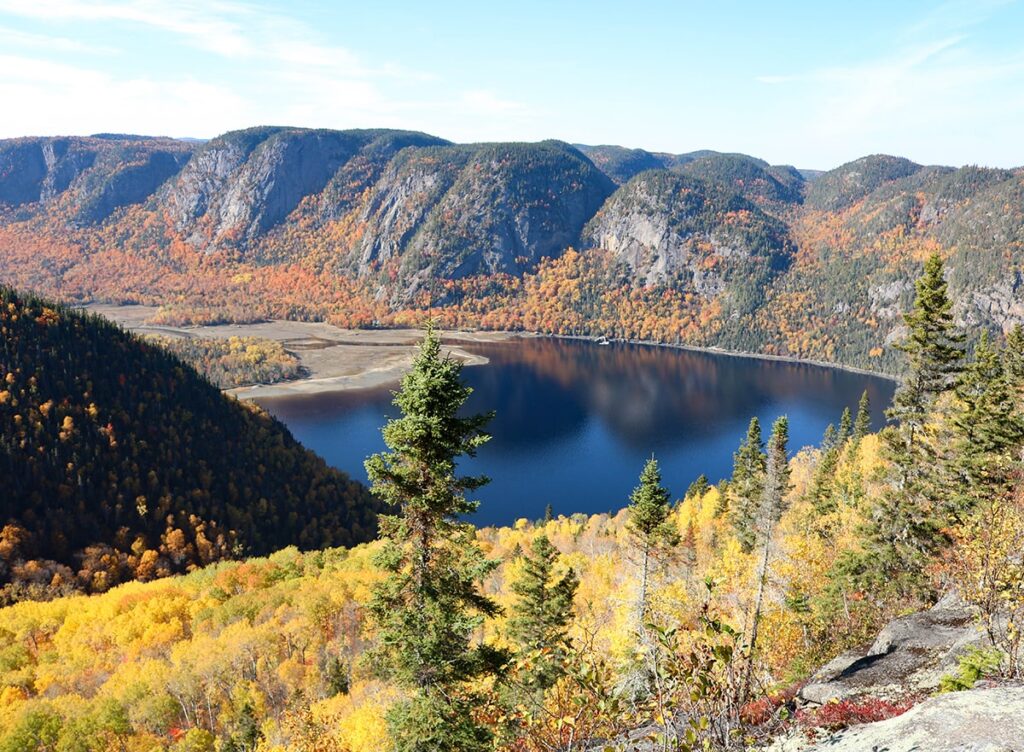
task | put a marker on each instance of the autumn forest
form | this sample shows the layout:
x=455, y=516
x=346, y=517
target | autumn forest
x=179, y=573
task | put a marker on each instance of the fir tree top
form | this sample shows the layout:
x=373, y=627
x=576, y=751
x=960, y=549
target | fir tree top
x=650, y=508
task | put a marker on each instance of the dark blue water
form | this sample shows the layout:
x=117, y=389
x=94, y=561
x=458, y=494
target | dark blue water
x=576, y=421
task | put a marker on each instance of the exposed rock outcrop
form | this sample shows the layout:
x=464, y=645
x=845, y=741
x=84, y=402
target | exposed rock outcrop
x=400, y=202
x=511, y=205
x=38, y=169
x=243, y=183
x=668, y=227
x=764, y=258
x=910, y=655
x=978, y=720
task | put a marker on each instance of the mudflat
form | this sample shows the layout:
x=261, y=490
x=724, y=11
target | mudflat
x=334, y=359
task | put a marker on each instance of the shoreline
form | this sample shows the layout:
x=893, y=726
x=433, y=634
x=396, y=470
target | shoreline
x=376, y=377
x=339, y=360
x=366, y=379
x=721, y=351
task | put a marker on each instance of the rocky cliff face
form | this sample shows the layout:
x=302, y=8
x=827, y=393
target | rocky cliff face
x=402, y=200
x=511, y=205
x=430, y=208
x=37, y=169
x=669, y=228
x=244, y=183
x=92, y=176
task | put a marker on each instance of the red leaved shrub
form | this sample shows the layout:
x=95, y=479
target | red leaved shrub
x=835, y=716
x=759, y=712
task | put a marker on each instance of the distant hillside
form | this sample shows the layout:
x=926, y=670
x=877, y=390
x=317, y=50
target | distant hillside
x=120, y=462
x=378, y=227
x=672, y=229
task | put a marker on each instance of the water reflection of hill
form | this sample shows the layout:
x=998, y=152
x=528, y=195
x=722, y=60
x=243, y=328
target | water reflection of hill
x=575, y=421
x=647, y=396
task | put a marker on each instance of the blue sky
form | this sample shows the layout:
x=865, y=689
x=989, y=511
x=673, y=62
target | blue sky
x=809, y=83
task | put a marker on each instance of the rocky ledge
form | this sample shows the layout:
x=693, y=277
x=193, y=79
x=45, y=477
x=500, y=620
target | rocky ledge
x=978, y=720
x=910, y=656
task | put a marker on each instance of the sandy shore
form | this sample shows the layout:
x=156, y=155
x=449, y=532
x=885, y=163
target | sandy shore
x=334, y=359
x=338, y=359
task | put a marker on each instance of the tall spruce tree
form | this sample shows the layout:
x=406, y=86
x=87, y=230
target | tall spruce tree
x=772, y=505
x=747, y=485
x=1013, y=357
x=845, y=426
x=988, y=430
x=542, y=613
x=651, y=528
x=906, y=526
x=862, y=423
x=429, y=604
x=830, y=439
x=832, y=444
x=935, y=353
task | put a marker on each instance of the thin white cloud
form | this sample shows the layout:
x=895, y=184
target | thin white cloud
x=936, y=87
x=10, y=38
x=211, y=26
x=273, y=68
x=487, y=102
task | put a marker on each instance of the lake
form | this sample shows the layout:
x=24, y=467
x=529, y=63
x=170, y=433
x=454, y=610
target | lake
x=576, y=420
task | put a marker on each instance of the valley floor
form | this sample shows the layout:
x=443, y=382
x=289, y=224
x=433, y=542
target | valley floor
x=333, y=359
x=336, y=359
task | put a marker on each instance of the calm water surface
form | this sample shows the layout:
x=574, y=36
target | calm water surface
x=576, y=421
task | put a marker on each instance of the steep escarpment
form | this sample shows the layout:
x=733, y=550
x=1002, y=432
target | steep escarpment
x=511, y=205
x=86, y=179
x=402, y=200
x=244, y=183
x=679, y=231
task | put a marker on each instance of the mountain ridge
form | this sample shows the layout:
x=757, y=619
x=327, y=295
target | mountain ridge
x=380, y=227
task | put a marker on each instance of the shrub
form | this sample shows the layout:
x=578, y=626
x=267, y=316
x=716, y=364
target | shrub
x=976, y=664
x=835, y=716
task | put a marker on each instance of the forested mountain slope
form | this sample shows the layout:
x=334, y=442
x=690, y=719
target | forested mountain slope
x=372, y=227
x=118, y=461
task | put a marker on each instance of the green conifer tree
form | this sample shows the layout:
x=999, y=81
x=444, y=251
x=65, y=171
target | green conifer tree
x=1013, y=358
x=830, y=439
x=845, y=426
x=429, y=604
x=824, y=473
x=747, y=485
x=935, y=353
x=862, y=423
x=653, y=531
x=771, y=507
x=698, y=488
x=905, y=528
x=989, y=431
x=542, y=614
